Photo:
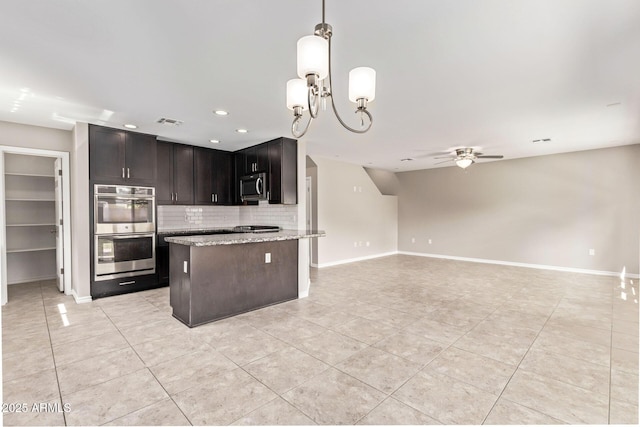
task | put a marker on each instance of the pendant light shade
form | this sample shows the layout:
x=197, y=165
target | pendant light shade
x=313, y=57
x=362, y=84
x=297, y=94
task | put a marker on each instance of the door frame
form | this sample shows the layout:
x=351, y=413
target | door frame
x=66, y=212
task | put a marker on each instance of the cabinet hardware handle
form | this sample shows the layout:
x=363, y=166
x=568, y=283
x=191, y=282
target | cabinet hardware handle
x=128, y=176
x=216, y=198
x=212, y=197
x=176, y=197
x=131, y=282
x=123, y=173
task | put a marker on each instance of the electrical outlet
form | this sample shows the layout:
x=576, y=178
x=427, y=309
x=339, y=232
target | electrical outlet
x=185, y=267
x=267, y=258
x=592, y=252
x=429, y=241
x=368, y=244
x=355, y=189
x=413, y=240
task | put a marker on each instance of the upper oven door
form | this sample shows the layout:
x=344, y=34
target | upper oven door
x=119, y=209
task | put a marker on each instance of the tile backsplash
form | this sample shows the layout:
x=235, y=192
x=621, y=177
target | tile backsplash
x=195, y=217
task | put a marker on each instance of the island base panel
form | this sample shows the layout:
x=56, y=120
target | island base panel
x=226, y=280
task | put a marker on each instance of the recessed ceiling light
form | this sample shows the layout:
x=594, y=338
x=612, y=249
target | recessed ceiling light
x=214, y=141
x=242, y=130
x=221, y=113
x=130, y=126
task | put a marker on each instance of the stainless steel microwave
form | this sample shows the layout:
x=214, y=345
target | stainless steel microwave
x=254, y=187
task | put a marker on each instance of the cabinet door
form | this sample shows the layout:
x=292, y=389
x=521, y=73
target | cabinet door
x=222, y=172
x=283, y=179
x=140, y=155
x=203, y=176
x=183, y=174
x=238, y=171
x=262, y=157
x=250, y=161
x=164, y=181
x=106, y=155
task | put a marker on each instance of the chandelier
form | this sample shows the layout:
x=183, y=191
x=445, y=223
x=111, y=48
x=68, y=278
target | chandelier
x=314, y=70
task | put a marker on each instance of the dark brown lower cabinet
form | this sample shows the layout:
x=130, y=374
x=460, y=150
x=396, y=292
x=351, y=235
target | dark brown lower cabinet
x=208, y=283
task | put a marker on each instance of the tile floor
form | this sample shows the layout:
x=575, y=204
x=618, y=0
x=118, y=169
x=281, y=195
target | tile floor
x=395, y=340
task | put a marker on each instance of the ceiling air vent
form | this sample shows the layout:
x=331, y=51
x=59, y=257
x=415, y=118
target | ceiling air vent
x=169, y=122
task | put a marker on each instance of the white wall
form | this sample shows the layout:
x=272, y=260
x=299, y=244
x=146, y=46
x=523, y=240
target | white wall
x=548, y=210
x=81, y=242
x=351, y=218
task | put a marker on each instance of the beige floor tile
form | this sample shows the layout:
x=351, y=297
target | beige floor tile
x=278, y=412
x=23, y=364
x=623, y=360
x=625, y=342
x=161, y=413
x=593, y=335
x=97, y=369
x=113, y=399
x=623, y=413
x=626, y=326
x=624, y=386
x=169, y=347
x=229, y=396
x=411, y=347
x=24, y=345
x=379, y=369
x=293, y=330
x=436, y=331
x=80, y=350
x=480, y=371
x=334, y=398
x=393, y=412
x=509, y=413
x=190, y=370
x=39, y=387
x=578, y=349
x=393, y=318
x=75, y=317
x=447, y=400
x=72, y=333
x=42, y=414
x=153, y=331
x=505, y=349
x=251, y=345
x=330, y=347
x=571, y=404
x=366, y=331
x=285, y=369
x=582, y=374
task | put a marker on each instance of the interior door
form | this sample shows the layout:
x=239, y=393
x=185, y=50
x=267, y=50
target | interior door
x=59, y=224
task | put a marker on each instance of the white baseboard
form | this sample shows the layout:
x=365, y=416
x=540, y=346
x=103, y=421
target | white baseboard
x=350, y=260
x=521, y=264
x=80, y=300
x=31, y=279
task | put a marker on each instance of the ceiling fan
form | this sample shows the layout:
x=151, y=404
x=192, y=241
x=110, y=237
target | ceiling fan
x=464, y=157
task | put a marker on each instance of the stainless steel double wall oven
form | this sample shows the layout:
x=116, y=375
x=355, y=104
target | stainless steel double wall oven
x=124, y=231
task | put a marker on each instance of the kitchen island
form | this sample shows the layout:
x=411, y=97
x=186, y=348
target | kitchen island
x=221, y=275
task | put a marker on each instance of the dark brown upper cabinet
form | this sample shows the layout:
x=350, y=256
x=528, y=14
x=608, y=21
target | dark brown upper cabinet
x=121, y=157
x=174, y=185
x=256, y=159
x=212, y=176
x=283, y=166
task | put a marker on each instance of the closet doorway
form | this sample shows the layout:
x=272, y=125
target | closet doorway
x=35, y=213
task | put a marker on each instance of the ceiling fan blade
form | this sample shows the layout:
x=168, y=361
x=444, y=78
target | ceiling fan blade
x=450, y=160
x=490, y=157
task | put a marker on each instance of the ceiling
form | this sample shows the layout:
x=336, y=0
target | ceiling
x=493, y=74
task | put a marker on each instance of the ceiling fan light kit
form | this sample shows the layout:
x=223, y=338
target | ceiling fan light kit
x=465, y=157
x=314, y=70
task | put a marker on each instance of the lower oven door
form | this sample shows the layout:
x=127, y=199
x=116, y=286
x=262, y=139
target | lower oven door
x=124, y=255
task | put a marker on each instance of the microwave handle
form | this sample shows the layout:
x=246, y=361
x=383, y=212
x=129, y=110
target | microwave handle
x=259, y=186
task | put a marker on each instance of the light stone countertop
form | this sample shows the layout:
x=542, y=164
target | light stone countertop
x=241, y=238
